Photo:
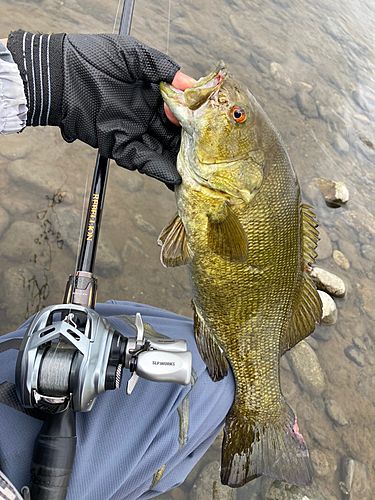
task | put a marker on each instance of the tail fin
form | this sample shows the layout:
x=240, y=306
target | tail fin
x=275, y=449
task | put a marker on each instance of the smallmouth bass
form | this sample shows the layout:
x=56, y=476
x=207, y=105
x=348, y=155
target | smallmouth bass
x=249, y=242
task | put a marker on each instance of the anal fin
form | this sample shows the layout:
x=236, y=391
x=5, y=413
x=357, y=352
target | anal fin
x=212, y=354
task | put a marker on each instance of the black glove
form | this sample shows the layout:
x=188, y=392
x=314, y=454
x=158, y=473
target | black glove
x=103, y=90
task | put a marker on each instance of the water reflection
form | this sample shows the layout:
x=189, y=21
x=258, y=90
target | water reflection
x=311, y=65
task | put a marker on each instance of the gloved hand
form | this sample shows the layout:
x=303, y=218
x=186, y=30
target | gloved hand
x=103, y=90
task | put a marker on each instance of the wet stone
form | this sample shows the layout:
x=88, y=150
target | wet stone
x=4, y=220
x=367, y=293
x=306, y=104
x=20, y=291
x=355, y=480
x=70, y=223
x=335, y=413
x=324, y=248
x=323, y=463
x=304, y=56
x=313, y=343
x=42, y=176
x=303, y=87
x=341, y=260
x=340, y=144
x=329, y=312
x=307, y=369
x=327, y=114
x=144, y=225
x=208, y=485
x=321, y=332
x=18, y=241
x=328, y=282
x=287, y=93
x=319, y=433
x=108, y=262
x=133, y=183
x=279, y=490
x=335, y=192
x=279, y=74
x=16, y=205
x=368, y=252
x=14, y=147
x=355, y=355
x=360, y=100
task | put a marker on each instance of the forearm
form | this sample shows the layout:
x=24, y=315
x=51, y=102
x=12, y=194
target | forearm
x=13, y=106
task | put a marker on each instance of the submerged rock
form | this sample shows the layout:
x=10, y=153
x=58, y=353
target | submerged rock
x=347, y=474
x=335, y=413
x=355, y=483
x=335, y=193
x=306, y=367
x=43, y=176
x=324, y=248
x=145, y=225
x=328, y=282
x=4, y=220
x=14, y=147
x=367, y=293
x=323, y=463
x=340, y=144
x=355, y=355
x=279, y=490
x=18, y=241
x=313, y=343
x=108, y=261
x=208, y=485
x=341, y=260
x=306, y=104
x=279, y=74
x=329, y=312
x=368, y=252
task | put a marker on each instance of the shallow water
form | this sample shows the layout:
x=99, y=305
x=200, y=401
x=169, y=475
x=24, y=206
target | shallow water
x=311, y=65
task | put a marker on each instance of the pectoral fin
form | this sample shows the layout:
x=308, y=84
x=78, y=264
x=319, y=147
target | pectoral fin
x=212, y=354
x=226, y=236
x=173, y=240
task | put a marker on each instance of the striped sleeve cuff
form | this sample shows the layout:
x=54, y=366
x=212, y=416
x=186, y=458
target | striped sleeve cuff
x=13, y=110
x=40, y=62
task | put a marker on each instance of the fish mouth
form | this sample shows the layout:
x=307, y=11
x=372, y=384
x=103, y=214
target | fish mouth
x=193, y=97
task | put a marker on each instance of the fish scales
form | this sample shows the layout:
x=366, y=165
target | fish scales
x=248, y=241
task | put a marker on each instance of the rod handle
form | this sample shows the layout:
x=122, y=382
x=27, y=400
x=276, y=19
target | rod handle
x=53, y=457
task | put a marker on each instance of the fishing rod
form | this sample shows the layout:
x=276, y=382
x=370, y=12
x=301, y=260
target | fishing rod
x=70, y=354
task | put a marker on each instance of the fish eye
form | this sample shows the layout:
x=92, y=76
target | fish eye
x=239, y=114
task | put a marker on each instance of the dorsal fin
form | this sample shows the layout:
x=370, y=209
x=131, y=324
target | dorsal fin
x=175, y=250
x=226, y=236
x=310, y=234
x=308, y=309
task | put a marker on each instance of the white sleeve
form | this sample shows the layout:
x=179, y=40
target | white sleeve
x=13, y=104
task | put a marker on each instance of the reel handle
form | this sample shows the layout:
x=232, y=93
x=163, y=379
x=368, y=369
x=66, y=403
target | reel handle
x=53, y=457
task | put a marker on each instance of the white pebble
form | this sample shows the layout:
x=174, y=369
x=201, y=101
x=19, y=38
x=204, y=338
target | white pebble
x=328, y=282
x=329, y=312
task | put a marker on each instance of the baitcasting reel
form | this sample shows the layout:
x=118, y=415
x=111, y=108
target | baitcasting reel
x=70, y=354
